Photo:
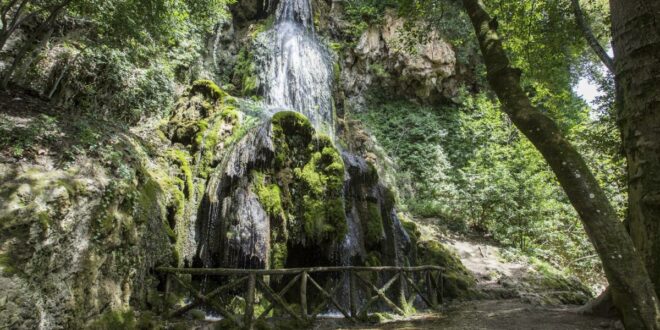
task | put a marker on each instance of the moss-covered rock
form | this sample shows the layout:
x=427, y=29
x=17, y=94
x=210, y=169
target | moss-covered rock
x=245, y=73
x=311, y=172
x=209, y=89
x=458, y=282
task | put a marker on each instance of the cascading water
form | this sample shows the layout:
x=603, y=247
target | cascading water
x=295, y=68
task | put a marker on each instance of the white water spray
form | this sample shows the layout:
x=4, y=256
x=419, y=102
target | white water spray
x=296, y=67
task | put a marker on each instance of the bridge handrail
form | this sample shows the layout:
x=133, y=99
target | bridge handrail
x=290, y=271
x=425, y=282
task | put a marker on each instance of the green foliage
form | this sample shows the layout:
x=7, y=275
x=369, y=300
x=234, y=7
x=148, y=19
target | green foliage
x=364, y=13
x=151, y=24
x=245, y=73
x=107, y=83
x=21, y=140
x=279, y=255
x=469, y=167
x=413, y=136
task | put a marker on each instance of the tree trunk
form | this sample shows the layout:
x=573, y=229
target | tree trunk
x=629, y=280
x=636, y=41
x=589, y=35
x=9, y=25
x=42, y=34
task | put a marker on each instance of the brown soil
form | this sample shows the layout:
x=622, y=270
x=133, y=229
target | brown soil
x=491, y=315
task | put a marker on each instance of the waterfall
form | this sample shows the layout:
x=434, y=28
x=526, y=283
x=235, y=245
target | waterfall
x=296, y=68
x=237, y=231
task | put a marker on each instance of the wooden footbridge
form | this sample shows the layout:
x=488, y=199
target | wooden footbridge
x=423, y=283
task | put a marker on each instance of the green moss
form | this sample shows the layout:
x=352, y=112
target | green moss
x=150, y=192
x=197, y=314
x=457, y=280
x=202, y=126
x=269, y=195
x=290, y=125
x=322, y=179
x=262, y=26
x=181, y=159
x=374, y=224
x=7, y=264
x=230, y=113
x=209, y=89
x=279, y=255
x=183, y=131
x=245, y=72
x=378, y=318
x=336, y=70
x=228, y=116
x=411, y=229
x=373, y=259
x=44, y=220
x=379, y=70
x=115, y=320
x=315, y=171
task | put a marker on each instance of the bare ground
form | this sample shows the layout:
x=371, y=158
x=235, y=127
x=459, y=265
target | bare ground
x=520, y=303
x=509, y=314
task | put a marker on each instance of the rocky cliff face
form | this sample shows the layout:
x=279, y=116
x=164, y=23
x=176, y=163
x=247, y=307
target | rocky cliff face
x=387, y=57
x=79, y=236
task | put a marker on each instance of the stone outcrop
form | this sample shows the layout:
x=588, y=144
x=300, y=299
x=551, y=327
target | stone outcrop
x=422, y=68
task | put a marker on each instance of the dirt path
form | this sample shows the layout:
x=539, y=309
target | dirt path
x=483, y=259
x=491, y=315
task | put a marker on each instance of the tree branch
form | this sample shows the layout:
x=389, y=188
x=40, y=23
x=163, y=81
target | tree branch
x=591, y=38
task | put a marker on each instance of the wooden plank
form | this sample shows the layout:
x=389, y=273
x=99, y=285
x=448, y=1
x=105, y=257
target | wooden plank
x=291, y=271
x=225, y=313
x=331, y=297
x=353, y=294
x=419, y=282
x=274, y=297
x=402, y=291
x=324, y=303
x=249, y=302
x=440, y=282
x=303, y=295
x=381, y=293
x=166, y=307
x=281, y=293
x=208, y=296
x=375, y=298
x=431, y=289
x=421, y=294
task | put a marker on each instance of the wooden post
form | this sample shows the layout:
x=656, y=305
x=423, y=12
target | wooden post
x=353, y=294
x=402, y=292
x=441, y=284
x=303, y=295
x=431, y=289
x=249, y=302
x=166, y=307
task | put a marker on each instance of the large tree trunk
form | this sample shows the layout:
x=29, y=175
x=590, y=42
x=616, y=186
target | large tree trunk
x=636, y=41
x=629, y=280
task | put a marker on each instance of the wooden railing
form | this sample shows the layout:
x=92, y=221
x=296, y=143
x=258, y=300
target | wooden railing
x=424, y=282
